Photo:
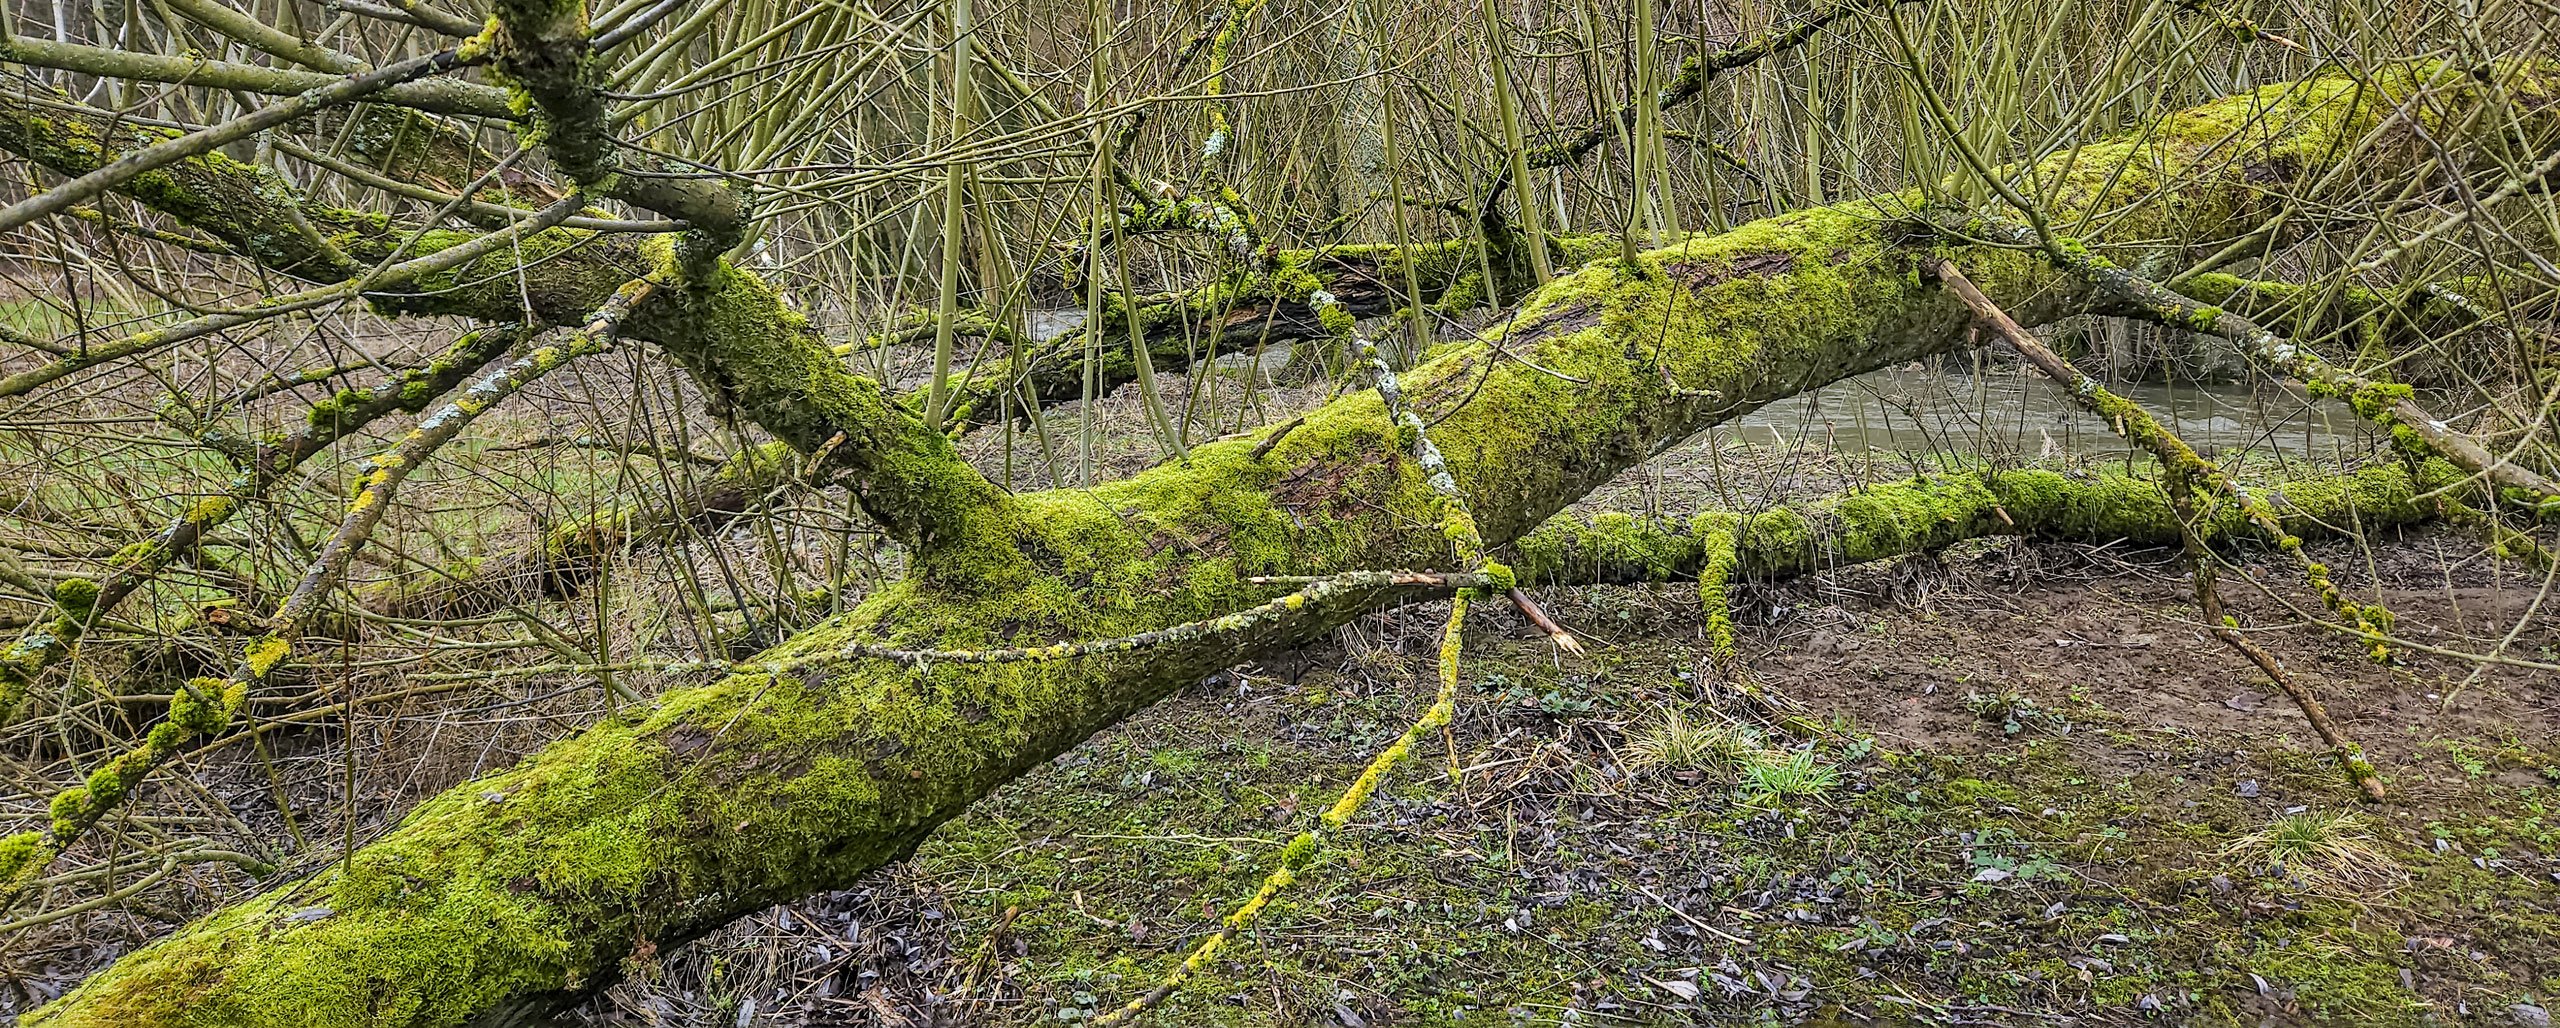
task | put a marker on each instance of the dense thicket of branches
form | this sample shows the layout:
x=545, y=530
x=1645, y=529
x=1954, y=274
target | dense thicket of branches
x=812, y=238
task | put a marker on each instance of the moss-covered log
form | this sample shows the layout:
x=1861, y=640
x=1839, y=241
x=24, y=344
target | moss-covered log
x=1924, y=515
x=247, y=208
x=1248, y=309
x=518, y=892
x=570, y=555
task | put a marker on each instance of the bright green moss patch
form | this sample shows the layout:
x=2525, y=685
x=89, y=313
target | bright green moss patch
x=262, y=656
x=77, y=598
x=16, y=850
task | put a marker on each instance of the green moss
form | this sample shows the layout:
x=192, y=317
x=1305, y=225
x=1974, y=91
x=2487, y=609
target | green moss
x=211, y=510
x=329, y=413
x=1608, y=546
x=1290, y=274
x=536, y=265
x=245, y=206
x=1927, y=514
x=104, y=788
x=70, y=810
x=2377, y=399
x=262, y=656
x=17, y=850
x=77, y=598
x=204, y=705
x=2342, y=973
x=1713, y=598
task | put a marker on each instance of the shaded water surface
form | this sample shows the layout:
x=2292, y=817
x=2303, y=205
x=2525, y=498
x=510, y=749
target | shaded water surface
x=1912, y=409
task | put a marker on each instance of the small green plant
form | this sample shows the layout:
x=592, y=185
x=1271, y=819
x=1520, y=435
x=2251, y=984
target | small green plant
x=2319, y=849
x=1797, y=775
x=2473, y=765
x=2013, y=712
x=1992, y=863
x=1553, y=702
x=1680, y=742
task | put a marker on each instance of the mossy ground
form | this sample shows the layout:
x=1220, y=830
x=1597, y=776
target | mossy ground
x=1958, y=870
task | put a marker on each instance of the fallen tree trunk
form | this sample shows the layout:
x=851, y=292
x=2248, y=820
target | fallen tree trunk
x=517, y=893
x=1924, y=515
x=569, y=555
x=1249, y=308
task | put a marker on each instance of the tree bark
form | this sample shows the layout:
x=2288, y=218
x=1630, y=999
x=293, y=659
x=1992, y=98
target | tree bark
x=519, y=892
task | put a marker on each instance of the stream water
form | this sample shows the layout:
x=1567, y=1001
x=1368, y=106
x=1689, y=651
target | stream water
x=1913, y=409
